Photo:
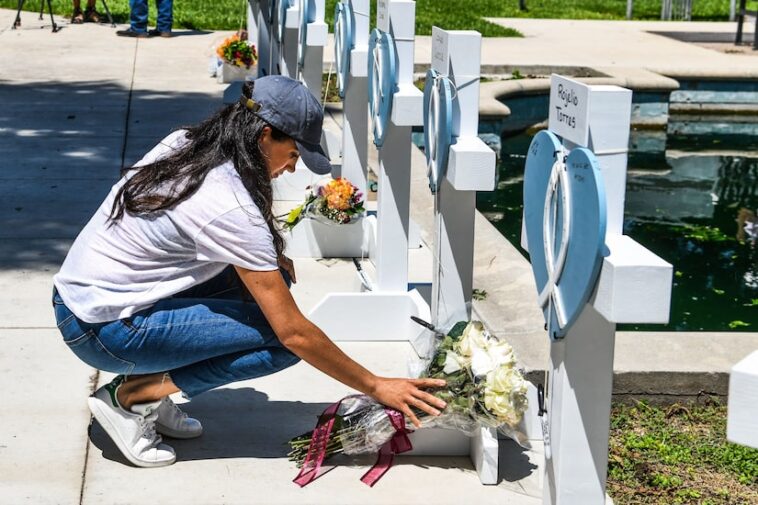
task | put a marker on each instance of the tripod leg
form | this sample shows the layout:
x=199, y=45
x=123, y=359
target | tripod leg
x=52, y=20
x=17, y=22
x=740, y=20
x=108, y=12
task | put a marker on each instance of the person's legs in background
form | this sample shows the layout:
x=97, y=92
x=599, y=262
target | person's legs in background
x=77, y=17
x=137, y=18
x=91, y=15
x=165, y=18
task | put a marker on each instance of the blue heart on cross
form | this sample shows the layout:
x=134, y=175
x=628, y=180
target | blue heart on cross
x=382, y=81
x=565, y=221
x=343, y=43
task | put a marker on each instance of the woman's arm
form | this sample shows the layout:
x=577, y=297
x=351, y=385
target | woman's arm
x=308, y=342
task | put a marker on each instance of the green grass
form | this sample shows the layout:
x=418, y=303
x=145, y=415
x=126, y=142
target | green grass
x=702, y=10
x=678, y=455
x=190, y=14
x=449, y=14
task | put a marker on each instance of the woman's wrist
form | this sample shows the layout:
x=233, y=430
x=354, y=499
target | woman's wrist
x=372, y=385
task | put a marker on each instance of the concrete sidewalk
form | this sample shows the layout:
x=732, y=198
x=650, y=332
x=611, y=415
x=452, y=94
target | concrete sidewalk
x=77, y=105
x=674, y=49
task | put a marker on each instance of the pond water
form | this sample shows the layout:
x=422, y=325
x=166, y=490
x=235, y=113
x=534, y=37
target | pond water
x=692, y=200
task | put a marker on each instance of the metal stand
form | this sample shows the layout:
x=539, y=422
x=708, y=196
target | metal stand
x=108, y=13
x=741, y=21
x=676, y=10
x=17, y=21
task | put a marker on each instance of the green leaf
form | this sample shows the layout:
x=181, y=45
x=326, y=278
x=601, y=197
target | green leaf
x=479, y=294
x=703, y=233
x=457, y=330
x=738, y=324
x=294, y=217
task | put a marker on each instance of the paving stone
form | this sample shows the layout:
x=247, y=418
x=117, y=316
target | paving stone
x=43, y=425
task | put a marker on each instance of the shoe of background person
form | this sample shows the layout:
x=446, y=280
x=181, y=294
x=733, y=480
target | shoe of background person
x=175, y=423
x=157, y=33
x=77, y=17
x=133, y=432
x=91, y=16
x=131, y=33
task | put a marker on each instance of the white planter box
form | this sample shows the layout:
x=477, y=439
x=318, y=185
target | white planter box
x=313, y=239
x=229, y=73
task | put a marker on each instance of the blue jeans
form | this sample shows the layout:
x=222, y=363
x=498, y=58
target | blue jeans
x=138, y=15
x=205, y=337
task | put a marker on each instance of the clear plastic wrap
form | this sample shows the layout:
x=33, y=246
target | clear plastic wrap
x=485, y=388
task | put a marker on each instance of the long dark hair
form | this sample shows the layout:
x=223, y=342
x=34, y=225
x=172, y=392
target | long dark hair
x=232, y=133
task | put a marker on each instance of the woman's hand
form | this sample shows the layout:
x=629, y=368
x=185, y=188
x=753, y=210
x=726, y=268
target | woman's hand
x=402, y=394
x=288, y=266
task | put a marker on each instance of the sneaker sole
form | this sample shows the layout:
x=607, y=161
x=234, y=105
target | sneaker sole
x=165, y=430
x=102, y=418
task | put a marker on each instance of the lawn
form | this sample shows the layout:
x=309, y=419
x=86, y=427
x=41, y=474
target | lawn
x=678, y=454
x=229, y=14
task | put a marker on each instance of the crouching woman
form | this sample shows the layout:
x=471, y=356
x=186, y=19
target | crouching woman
x=179, y=282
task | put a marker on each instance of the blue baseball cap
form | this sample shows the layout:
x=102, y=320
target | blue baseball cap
x=287, y=105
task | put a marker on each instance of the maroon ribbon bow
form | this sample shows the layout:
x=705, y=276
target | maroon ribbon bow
x=399, y=443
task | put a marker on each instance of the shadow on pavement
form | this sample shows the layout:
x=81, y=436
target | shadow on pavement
x=244, y=423
x=236, y=423
x=188, y=33
x=714, y=37
x=62, y=145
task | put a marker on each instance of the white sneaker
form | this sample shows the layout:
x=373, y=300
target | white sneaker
x=132, y=432
x=175, y=423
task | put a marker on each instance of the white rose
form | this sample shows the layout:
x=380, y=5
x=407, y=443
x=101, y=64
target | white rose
x=481, y=364
x=474, y=337
x=454, y=363
x=500, y=405
x=501, y=353
x=506, y=379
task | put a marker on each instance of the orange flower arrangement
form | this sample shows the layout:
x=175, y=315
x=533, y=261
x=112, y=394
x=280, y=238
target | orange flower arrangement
x=339, y=193
x=235, y=50
x=337, y=201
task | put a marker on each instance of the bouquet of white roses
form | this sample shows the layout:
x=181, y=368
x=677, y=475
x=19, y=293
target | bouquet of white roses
x=484, y=388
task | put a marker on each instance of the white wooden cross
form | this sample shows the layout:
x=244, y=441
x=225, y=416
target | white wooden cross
x=304, y=54
x=397, y=17
x=354, y=165
x=313, y=33
x=384, y=313
x=288, y=45
x=259, y=30
x=741, y=426
x=470, y=168
x=634, y=286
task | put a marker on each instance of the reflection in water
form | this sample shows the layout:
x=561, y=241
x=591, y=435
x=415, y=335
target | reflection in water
x=747, y=226
x=695, y=209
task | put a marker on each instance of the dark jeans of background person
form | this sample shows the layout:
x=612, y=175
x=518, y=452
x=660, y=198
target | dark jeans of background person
x=205, y=337
x=138, y=16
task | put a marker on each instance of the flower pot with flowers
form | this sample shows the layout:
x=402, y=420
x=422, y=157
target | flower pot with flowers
x=238, y=58
x=329, y=223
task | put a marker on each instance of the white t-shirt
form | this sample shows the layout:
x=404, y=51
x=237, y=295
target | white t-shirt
x=111, y=272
